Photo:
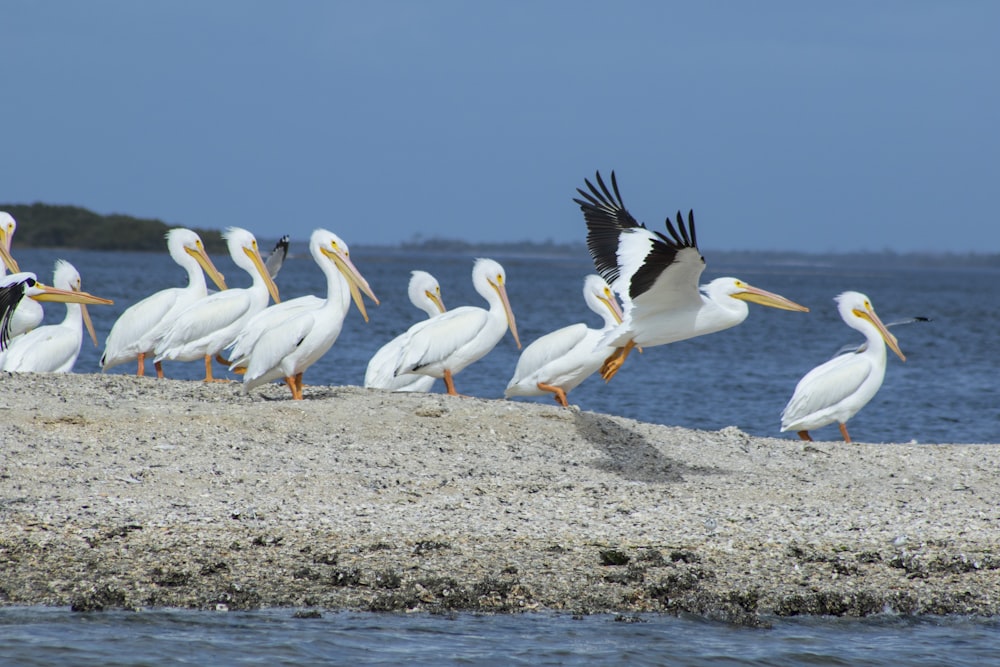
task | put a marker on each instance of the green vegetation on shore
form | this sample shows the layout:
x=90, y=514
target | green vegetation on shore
x=50, y=226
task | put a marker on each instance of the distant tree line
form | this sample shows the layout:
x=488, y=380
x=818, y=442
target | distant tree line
x=49, y=226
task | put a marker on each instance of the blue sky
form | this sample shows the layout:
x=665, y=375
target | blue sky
x=805, y=126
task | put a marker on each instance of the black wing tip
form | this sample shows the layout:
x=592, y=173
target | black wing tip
x=683, y=235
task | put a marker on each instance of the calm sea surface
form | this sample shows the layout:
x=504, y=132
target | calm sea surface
x=37, y=636
x=948, y=391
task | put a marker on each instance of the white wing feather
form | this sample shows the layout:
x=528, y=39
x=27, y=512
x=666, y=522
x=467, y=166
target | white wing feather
x=435, y=339
x=826, y=386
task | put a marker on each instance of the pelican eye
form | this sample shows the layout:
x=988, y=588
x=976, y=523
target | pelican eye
x=30, y=282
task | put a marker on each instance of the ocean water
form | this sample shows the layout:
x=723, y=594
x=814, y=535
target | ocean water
x=37, y=636
x=946, y=392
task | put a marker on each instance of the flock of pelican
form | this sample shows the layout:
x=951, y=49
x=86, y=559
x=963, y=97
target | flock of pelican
x=647, y=293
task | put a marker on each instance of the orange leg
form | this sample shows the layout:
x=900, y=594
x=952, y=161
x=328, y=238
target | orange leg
x=560, y=395
x=615, y=361
x=449, y=383
x=843, y=432
x=805, y=435
x=208, y=371
x=142, y=365
x=295, y=386
x=158, y=365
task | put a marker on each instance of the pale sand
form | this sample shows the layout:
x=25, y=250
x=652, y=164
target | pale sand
x=125, y=492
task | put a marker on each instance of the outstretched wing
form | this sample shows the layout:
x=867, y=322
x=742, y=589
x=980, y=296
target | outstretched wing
x=634, y=259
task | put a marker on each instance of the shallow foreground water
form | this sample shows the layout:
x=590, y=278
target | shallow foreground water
x=45, y=636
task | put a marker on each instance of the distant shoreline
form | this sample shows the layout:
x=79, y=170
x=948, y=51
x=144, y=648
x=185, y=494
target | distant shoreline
x=124, y=492
x=55, y=227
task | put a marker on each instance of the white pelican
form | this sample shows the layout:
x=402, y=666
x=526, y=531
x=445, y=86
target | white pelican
x=656, y=278
x=54, y=348
x=425, y=293
x=287, y=349
x=209, y=325
x=137, y=330
x=836, y=390
x=7, y=228
x=271, y=316
x=19, y=315
x=560, y=360
x=445, y=344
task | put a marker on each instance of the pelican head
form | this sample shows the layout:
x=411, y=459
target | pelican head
x=738, y=289
x=425, y=292
x=598, y=295
x=857, y=311
x=326, y=244
x=7, y=228
x=489, y=279
x=245, y=253
x=66, y=277
x=182, y=243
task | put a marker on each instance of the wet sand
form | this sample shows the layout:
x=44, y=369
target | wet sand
x=123, y=492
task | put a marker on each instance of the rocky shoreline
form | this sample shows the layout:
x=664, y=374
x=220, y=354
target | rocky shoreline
x=123, y=492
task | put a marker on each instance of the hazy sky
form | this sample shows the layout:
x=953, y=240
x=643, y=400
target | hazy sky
x=811, y=126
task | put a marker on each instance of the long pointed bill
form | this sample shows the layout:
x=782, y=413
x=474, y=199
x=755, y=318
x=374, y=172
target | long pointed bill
x=436, y=299
x=889, y=339
x=770, y=299
x=258, y=264
x=207, y=266
x=46, y=293
x=89, y=324
x=502, y=291
x=5, y=255
x=355, y=281
x=609, y=300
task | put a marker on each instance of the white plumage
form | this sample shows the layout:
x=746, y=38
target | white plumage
x=560, y=360
x=209, y=325
x=20, y=311
x=287, y=349
x=836, y=390
x=136, y=332
x=657, y=276
x=425, y=293
x=53, y=348
x=7, y=228
x=444, y=345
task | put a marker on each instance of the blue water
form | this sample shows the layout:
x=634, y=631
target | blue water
x=947, y=390
x=34, y=636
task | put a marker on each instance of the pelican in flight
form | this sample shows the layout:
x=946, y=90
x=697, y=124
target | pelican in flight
x=425, y=293
x=209, y=325
x=656, y=276
x=287, y=349
x=445, y=344
x=54, y=348
x=836, y=390
x=560, y=360
x=7, y=228
x=137, y=330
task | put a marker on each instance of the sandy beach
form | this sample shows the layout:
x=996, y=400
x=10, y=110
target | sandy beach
x=123, y=492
